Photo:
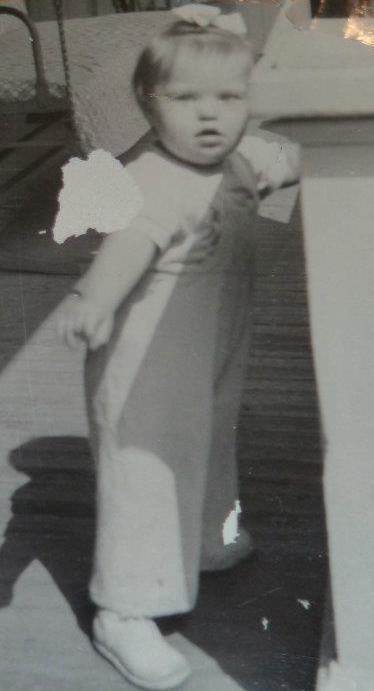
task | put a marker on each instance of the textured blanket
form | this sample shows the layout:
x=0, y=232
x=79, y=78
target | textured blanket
x=102, y=55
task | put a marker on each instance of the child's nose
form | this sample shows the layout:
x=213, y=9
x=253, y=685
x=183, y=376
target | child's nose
x=207, y=108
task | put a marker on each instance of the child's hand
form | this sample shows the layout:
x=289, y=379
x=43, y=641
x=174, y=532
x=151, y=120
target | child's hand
x=79, y=319
x=275, y=163
x=284, y=169
x=263, y=183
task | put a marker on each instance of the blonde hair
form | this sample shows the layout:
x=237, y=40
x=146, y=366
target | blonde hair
x=156, y=60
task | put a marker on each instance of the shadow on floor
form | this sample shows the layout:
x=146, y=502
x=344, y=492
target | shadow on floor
x=53, y=522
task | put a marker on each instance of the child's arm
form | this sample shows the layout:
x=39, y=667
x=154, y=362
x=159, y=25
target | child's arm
x=88, y=312
x=275, y=163
x=284, y=169
x=120, y=264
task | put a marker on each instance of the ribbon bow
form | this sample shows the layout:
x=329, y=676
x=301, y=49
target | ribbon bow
x=203, y=15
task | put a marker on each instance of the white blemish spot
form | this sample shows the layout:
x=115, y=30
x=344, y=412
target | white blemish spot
x=42, y=232
x=304, y=603
x=230, y=532
x=265, y=623
x=97, y=193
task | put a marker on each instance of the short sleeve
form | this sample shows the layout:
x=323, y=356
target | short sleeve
x=106, y=195
x=158, y=217
x=274, y=163
x=161, y=235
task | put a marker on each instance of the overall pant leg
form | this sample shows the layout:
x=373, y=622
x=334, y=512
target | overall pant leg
x=238, y=241
x=222, y=488
x=151, y=467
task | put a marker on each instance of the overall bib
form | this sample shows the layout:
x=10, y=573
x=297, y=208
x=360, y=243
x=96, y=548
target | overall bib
x=163, y=401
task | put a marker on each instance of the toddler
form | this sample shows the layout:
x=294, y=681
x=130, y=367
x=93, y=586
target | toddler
x=164, y=311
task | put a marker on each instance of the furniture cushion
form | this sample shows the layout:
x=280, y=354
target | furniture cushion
x=7, y=22
x=102, y=54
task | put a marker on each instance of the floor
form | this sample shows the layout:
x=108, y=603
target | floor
x=257, y=627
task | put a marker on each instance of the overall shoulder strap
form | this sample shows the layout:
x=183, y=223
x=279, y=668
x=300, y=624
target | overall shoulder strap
x=240, y=170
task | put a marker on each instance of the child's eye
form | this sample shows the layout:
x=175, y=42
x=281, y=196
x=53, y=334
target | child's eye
x=231, y=96
x=187, y=96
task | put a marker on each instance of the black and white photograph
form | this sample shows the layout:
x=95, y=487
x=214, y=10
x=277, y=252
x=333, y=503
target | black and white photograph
x=186, y=345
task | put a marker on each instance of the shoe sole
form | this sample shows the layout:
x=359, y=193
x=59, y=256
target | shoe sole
x=169, y=683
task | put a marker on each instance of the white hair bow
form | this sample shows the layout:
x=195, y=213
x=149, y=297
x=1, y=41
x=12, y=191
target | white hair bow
x=204, y=15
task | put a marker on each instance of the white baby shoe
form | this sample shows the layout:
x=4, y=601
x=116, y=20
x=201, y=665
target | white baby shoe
x=226, y=556
x=139, y=651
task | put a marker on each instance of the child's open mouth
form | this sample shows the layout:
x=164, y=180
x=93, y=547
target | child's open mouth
x=209, y=137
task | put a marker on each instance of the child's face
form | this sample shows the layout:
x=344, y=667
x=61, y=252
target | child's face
x=201, y=112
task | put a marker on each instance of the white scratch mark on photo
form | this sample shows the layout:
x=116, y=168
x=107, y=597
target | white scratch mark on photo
x=230, y=531
x=304, y=603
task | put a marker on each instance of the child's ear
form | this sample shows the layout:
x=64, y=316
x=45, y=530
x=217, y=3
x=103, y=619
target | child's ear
x=141, y=98
x=250, y=96
x=145, y=103
x=149, y=115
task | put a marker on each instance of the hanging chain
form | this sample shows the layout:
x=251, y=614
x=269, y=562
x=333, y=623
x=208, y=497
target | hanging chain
x=59, y=10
